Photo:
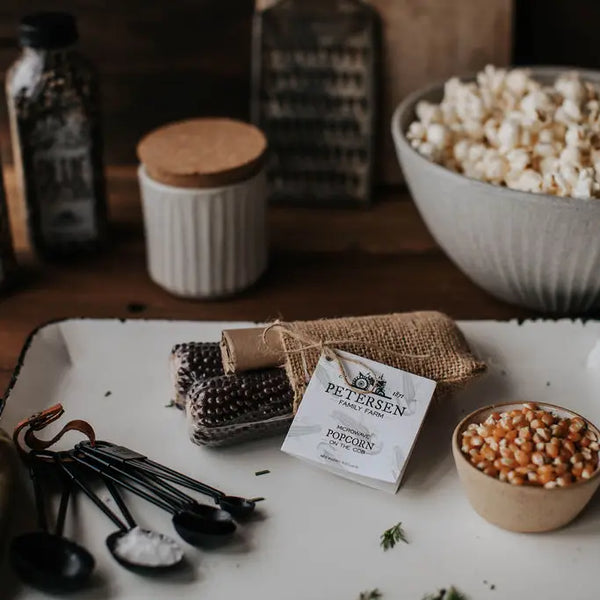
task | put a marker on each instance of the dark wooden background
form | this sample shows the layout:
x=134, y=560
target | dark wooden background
x=170, y=59
x=158, y=61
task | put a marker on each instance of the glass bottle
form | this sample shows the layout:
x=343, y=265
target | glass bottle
x=56, y=132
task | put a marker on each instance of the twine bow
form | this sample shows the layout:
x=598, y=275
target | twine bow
x=327, y=348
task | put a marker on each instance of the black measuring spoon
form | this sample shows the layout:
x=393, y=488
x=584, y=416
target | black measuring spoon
x=49, y=561
x=114, y=539
x=237, y=506
x=195, y=525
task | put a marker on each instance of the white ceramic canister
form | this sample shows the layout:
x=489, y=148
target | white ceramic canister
x=204, y=193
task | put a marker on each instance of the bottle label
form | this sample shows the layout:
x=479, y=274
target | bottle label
x=63, y=177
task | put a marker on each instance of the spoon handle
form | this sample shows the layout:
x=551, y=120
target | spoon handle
x=184, y=480
x=112, y=488
x=40, y=504
x=91, y=495
x=164, y=491
x=125, y=456
x=62, y=509
x=84, y=460
x=159, y=486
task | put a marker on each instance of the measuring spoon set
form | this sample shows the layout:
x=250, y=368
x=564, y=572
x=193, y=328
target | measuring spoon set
x=51, y=562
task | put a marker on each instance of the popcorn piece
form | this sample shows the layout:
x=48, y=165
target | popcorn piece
x=469, y=106
x=494, y=168
x=518, y=159
x=428, y=113
x=438, y=135
x=571, y=155
x=428, y=150
x=474, y=129
x=546, y=136
x=554, y=183
x=508, y=135
x=528, y=181
x=516, y=81
x=416, y=131
x=576, y=136
x=549, y=165
x=476, y=152
x=571, y=110
x=571, y=87
x=585, y=184
x=536, y=103
x=461, y=150
x=492, y=78
x=545, y=150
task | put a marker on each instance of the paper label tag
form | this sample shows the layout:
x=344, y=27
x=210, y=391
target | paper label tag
x=63, y=176
x=366, y=430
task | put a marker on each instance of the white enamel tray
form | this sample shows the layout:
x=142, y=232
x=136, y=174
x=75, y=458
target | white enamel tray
x=318, y=537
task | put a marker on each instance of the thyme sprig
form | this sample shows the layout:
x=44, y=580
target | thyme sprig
x=390, y=537
x=450, y=594
x=370, y=595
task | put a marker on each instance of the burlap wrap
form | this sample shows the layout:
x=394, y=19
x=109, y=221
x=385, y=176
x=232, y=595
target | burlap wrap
x=425, y=343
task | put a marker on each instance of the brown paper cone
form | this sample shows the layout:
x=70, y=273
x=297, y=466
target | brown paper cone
x=246, y=350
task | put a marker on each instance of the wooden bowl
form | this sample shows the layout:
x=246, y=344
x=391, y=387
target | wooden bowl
x=520, y=507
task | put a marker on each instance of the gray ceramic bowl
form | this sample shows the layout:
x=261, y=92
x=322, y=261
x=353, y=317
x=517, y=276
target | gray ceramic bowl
x=535, y=250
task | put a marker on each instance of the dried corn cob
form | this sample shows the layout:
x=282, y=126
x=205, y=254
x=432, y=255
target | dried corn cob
x=230, y=408
x=192, y=362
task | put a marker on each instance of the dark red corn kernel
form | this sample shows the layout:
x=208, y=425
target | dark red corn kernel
x=192, y=362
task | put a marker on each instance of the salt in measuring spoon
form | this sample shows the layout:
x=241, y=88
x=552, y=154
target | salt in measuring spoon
x=168, y=553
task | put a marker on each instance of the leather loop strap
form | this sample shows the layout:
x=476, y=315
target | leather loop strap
x=41, y=420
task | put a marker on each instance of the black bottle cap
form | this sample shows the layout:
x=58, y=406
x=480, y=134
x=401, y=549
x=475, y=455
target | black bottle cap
x=48, y=30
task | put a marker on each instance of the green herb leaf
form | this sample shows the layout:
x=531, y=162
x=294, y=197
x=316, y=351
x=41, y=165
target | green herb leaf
x=171, y=403
x=390, y=537
x=263, y=472
x=370, y=595
x=450, y=594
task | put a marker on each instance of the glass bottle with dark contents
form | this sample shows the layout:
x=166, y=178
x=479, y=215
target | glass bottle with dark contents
x=55, y=126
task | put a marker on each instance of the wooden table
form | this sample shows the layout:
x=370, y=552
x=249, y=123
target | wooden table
x=324, y=263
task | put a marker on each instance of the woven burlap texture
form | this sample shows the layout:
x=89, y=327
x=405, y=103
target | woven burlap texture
x=425, y=343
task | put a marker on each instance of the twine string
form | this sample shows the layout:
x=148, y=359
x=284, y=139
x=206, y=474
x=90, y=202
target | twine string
x=327, y=348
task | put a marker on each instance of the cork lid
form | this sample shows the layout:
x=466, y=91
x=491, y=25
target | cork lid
x=207, y=152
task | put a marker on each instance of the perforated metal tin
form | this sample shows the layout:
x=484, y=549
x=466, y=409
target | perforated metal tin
x=314, y=95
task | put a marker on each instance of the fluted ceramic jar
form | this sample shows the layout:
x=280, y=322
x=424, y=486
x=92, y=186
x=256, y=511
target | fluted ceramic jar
x=203, y=191
x=535, y=250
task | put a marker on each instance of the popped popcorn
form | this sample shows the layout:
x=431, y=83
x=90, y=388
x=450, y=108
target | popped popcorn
x=508, y=129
